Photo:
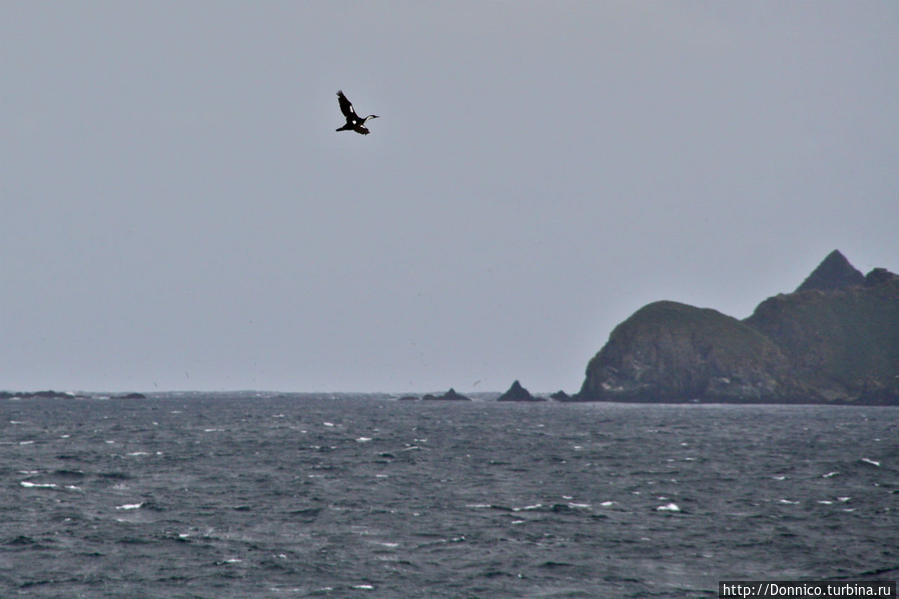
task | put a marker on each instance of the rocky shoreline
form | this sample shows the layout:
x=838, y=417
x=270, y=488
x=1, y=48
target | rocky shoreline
x=834, y=340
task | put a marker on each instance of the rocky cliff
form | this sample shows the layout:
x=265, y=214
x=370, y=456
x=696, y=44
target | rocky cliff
x=835, y=339
x=842, y=343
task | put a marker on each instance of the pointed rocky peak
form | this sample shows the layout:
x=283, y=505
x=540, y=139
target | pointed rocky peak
x=834, y=272
x=517, y=393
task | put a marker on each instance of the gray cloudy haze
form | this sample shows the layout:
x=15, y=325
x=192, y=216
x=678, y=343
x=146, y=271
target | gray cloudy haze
x=179, y=213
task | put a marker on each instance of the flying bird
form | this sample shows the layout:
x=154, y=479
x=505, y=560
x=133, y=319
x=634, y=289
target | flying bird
x=353, y=121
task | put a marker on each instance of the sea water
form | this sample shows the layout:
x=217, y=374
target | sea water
x=261, y=495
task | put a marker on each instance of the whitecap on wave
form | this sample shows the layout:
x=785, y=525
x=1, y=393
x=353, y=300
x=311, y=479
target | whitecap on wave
x=388, y=544
x=668, y=507
x=31, y=485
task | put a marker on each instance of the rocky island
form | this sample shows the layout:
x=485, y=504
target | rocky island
x=835, y=339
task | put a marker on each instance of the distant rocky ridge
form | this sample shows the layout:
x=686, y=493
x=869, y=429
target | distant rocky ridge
x=833, y=340
x=50, y=394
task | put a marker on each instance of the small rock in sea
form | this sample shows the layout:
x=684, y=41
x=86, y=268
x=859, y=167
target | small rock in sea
x=450, y=395
x=518, y=393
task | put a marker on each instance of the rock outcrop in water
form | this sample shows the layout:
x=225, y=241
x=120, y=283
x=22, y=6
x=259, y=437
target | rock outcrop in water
x=834, y=340
x=450, y=395
x=518, y=393
x=49, y=394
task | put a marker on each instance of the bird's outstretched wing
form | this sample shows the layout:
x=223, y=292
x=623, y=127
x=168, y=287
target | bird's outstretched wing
x=346, y=107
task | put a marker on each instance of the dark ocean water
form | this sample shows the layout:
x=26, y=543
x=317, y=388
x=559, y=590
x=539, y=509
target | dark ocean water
x=244, y=496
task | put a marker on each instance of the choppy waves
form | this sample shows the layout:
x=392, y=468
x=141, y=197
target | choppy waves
x=264, y=496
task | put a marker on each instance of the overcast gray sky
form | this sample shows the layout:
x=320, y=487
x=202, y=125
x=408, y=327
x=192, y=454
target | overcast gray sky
x=179, y=213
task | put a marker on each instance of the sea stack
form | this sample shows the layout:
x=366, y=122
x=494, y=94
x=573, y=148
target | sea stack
x=518, y=393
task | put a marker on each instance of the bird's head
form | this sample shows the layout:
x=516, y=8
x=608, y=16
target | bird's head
x=372, y=116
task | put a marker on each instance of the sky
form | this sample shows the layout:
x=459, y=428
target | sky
x=178, y=212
